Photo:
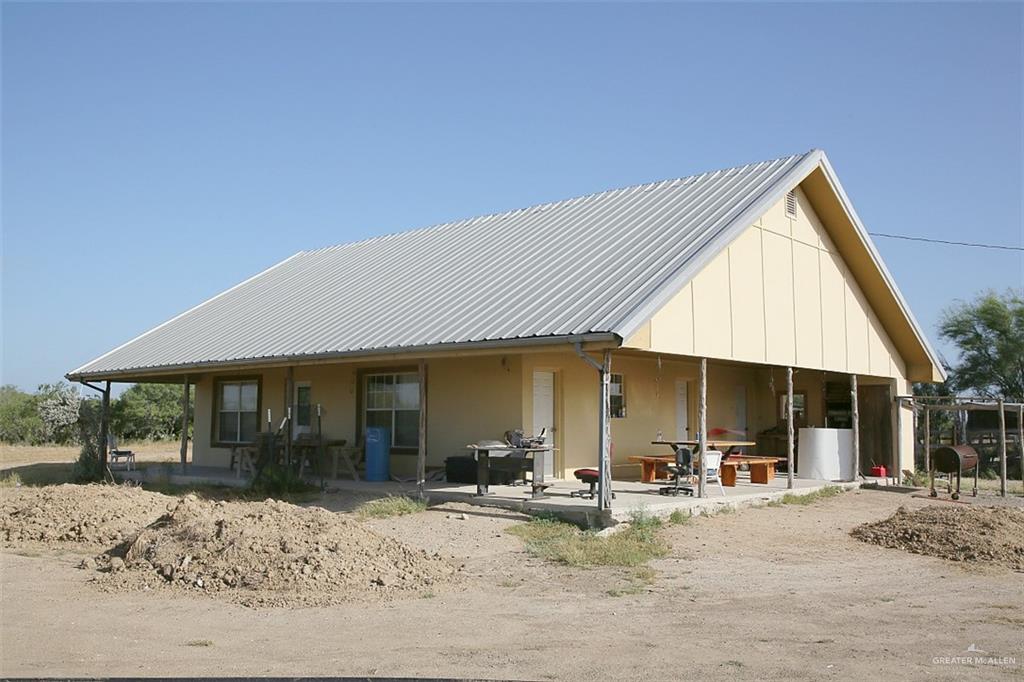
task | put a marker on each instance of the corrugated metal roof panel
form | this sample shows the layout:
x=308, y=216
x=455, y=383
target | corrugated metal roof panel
x=583, y=265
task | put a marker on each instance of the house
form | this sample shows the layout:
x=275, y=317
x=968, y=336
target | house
x=458, y=332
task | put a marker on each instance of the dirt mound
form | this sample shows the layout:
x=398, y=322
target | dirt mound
x=959, y=533
x=91, y=515
x=270, y=554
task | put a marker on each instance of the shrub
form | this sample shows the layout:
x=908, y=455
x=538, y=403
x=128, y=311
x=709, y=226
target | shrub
x=88, y=468
x=280, y=482
x=679, y=517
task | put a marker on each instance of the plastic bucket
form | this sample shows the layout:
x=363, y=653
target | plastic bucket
x=378, y=454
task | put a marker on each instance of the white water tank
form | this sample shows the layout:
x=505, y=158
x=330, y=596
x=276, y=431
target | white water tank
x=826, y=454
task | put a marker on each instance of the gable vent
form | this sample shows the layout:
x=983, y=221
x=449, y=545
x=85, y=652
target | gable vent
x=791, y=204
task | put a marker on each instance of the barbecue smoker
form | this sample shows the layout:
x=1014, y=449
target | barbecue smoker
x=954, y=460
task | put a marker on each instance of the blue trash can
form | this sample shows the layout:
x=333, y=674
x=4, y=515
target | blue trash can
x=378, y=454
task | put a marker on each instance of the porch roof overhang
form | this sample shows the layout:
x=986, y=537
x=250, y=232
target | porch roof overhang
x=177, y=373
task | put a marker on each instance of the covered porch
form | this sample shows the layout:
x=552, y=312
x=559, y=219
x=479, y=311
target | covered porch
x=630, y=496
x=602, y=407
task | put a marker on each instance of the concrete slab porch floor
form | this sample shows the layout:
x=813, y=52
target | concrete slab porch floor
x=629, y=495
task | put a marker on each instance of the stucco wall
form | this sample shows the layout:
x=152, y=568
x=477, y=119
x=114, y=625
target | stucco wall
x=468, y=398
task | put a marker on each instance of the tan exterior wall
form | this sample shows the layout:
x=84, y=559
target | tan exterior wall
x=467, y=399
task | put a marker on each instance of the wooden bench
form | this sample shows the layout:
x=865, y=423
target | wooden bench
x=652, y=465
x=762, y=469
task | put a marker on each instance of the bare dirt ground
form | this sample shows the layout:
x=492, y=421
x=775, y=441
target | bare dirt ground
x=772, y=593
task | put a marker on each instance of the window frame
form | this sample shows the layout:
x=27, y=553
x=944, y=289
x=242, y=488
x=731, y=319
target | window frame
x=307, y=386
x=621, y=394
x=363, y=409
x=215, y=439
x=799, y=413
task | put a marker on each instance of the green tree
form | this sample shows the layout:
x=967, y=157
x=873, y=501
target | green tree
x=147, y=412
x=989, y=334
x=19, y=416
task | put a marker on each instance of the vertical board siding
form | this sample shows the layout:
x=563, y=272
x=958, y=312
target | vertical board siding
x=780, y=294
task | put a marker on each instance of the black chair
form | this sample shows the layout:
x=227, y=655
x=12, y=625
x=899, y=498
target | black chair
x=683, y=466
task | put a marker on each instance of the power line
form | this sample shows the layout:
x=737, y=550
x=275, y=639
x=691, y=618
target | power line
x=1000, y=247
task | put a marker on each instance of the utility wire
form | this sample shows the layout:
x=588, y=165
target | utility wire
x=943, y=241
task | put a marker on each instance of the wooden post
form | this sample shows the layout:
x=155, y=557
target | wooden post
x=1020, y=442
x=927, y=437
x=914, y=425
x=855, y=422
x=184, y=425
x=421, y=453
x=289, y=402
x=897, y=452
x=104, y=428
x=790, y=441
x=604, y=479
x=702, y=425
x=1002, y=448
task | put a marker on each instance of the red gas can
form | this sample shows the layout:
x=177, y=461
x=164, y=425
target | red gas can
x=878, y=472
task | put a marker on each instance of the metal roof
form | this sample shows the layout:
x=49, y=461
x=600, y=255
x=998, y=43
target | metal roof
x=597, y=264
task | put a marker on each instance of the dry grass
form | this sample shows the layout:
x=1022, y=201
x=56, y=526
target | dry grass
x=393, y=505
x=53, y=464
x=812, y=497
x=564, y=543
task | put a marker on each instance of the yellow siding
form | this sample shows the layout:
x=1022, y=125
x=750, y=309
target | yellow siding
x=746, y=288
x=807, y=308
x=672, y=326
x=711, y=305
x=778, y=299
x=833, y=311
x=780, y=294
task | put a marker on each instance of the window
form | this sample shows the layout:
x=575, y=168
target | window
x=617, y=396
x=791, y=204
x=799, y=408
x=303, y=406
x=237, y=411
x=393, y=402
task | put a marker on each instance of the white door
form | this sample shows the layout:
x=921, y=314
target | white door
x=544, y=412
x=682, y=409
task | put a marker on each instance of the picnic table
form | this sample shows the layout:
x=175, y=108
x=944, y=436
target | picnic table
x=762, y=469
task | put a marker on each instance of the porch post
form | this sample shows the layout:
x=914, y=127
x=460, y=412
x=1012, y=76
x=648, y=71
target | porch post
x=1020, y=441
x=897, y=452
x=790, y=443
x=1002, y=448
x=927, y=437
x=104, y=428
x=421, y=454
x=855, y=422
x=604, y=479
x=289, y=400
x=184, y=424
x=702, y=426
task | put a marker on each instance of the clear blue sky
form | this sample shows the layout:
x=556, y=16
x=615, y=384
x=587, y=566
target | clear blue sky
x=156, y=154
